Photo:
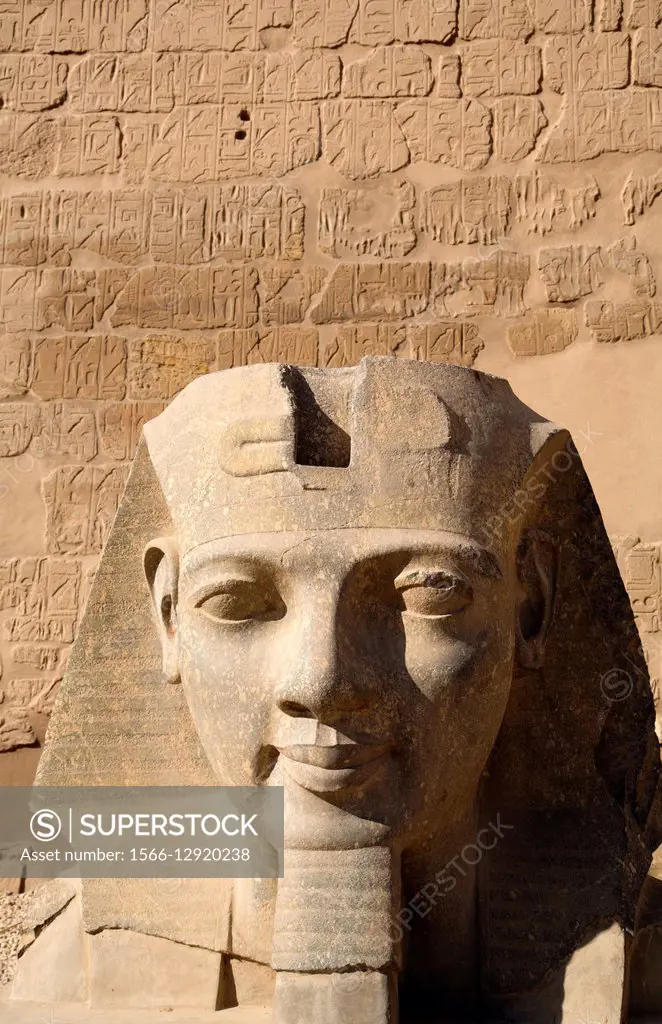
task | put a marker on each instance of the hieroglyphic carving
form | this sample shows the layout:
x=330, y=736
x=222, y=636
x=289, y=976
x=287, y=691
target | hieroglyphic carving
x=18, y=424
x=119, y=425
x=623, y=321
x=28, y=145
x=571, y=16
x=32, y=82
x=638, y=194
x=609, y=15
x=389, y=71
x=500, y=67
x=67, y=147
x=139, y=82
x=112, y=224
x=642, y=13
x=231, y=346
x=580, y=203
x=443, y=341
x=48, y=298
x=407, y=21
x=181, y=299
x=252, y=78
x=494, y=285
x=287, y=292
x=110, y=284
x=545, y=203
x=87, y=368
x=69, y=430
x=181, y=224
x=624, y=257
x=369, y=291
x=23, y=236
x=212, y=143
x=571, y=272
x=227, y=222
x=349, y=344
x=447, y=77
x=157, y=82
x=286, y=344
x=29, y=694
x=306, y=75
x=468, y=210
x=59, y=26
x=15, y=365
x=283, y=344
x=641, y=566
x=319, y=23
x=495, y=19
x=216, y=24
x=159, y=367
x=454, y=132
x=21, y=701
x=373, y=22
x=17, y=300
x=374, y=222
x=88, y=145
x=139, y=137
x=647, y=57
x=42, y=595
x=547, y=331
x=177, y=226
x=575, y=63
x=609, y=121
x=363, y=139
x=66, y=298
x=44, y=659
x=81, y=502
x=15, y=727
x=518, y=121
x=446, y=290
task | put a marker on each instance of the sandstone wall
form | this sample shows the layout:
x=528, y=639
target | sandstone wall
x=194, y=184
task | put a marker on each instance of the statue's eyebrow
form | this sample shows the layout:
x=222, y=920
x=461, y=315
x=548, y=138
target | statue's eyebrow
x=467, y=554
x=474, y=560
x=200, y=559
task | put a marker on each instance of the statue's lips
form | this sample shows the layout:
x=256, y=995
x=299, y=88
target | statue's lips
x=328, y=769
x=342, y=755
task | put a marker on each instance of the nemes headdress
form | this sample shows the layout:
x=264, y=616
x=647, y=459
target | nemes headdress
x=385, y=444
x=389, y=443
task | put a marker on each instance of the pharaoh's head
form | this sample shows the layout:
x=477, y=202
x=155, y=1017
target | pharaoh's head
x=348, y=586
x=387, y=588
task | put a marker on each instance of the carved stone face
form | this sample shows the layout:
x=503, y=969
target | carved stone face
x=368, y=667
x=337, y=624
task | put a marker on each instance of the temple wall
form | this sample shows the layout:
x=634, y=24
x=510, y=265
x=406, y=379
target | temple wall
x=187, y=185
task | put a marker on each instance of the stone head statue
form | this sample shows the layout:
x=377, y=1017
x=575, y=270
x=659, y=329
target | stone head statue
x=388, y=589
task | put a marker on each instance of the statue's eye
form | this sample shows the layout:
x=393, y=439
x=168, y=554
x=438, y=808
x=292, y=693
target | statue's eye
x=240, y=601
x=433, y=595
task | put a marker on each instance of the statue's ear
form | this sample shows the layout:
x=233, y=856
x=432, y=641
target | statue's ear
x=161, y=564
x=536, y=565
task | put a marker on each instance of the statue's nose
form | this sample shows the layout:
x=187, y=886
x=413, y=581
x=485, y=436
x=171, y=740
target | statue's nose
x=320, y=677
